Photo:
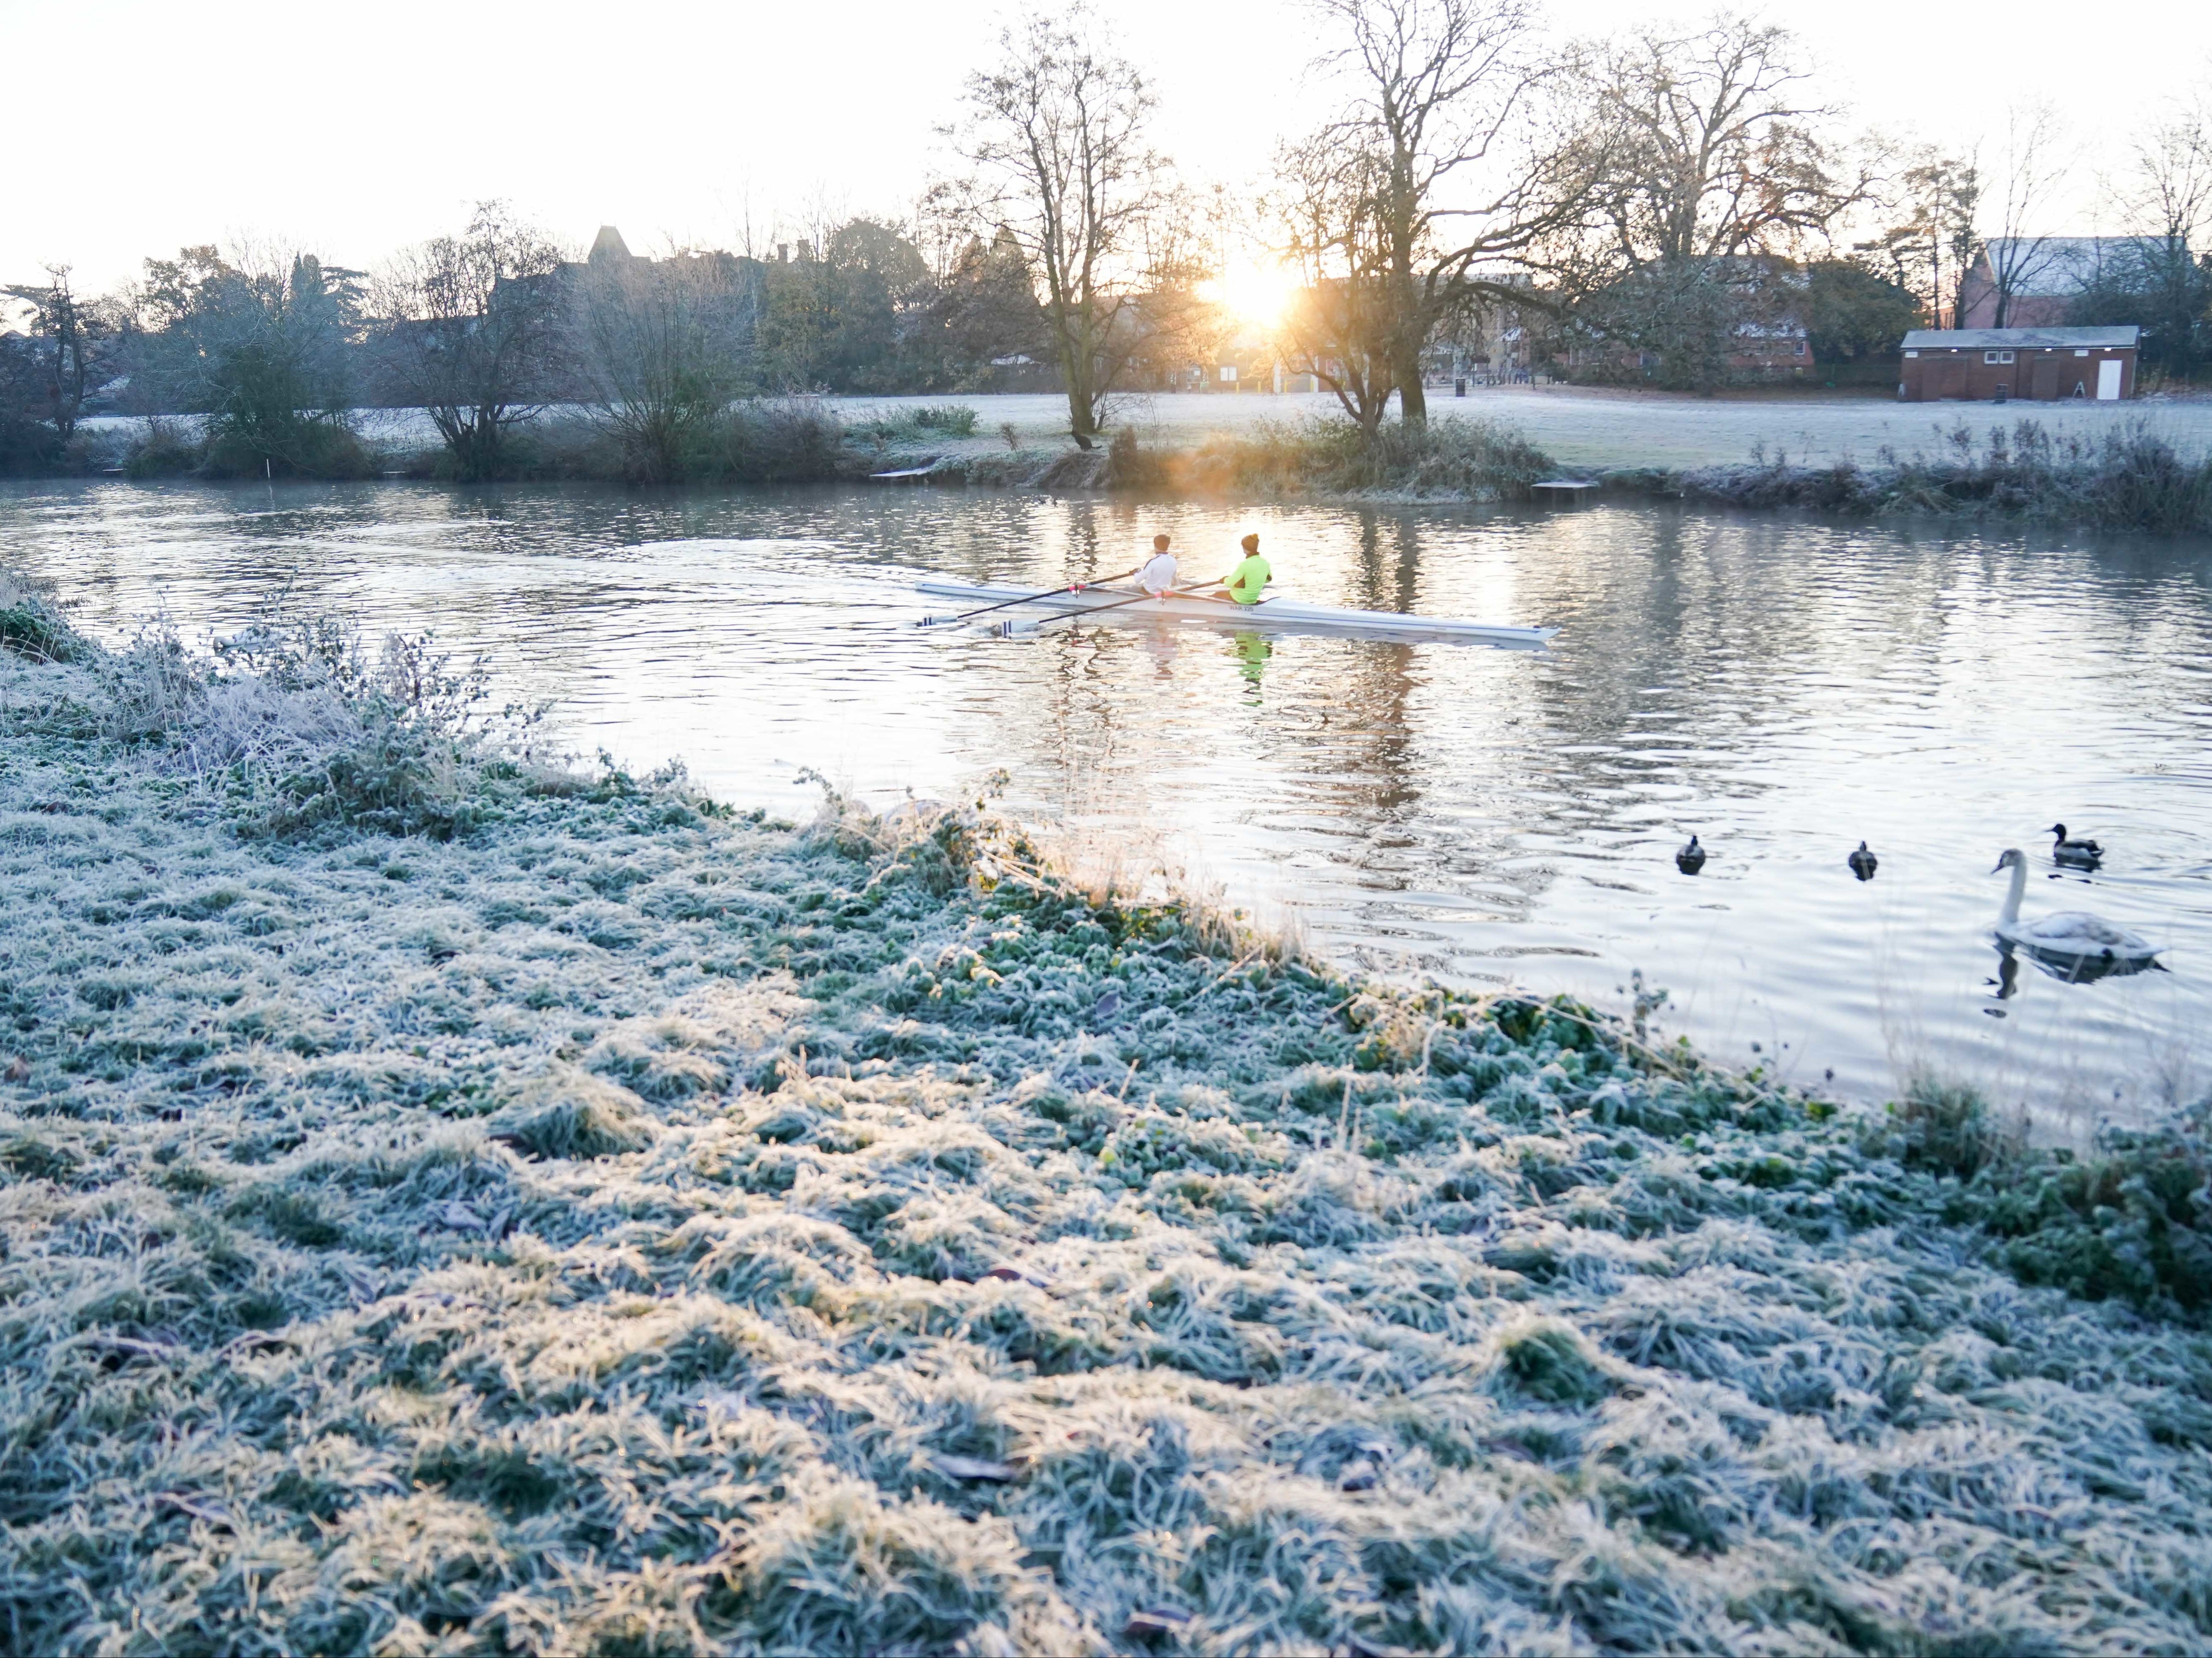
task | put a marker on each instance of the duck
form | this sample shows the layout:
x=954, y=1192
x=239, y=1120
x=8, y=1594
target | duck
x=2082, y=854
x=1691, y=859
x=2072, y=934
x=1863, y=862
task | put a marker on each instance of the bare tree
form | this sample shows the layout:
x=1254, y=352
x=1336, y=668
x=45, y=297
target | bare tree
x=1443, y=132
x=1929, y=241
x=69, y=354
x=664, y=347
x=2159, y=277
x=1339, y=325
x=1715, y=154
x=2169, y=197
x=1056, y=134
x=1182, y=318
x=475, y=323
x=2036, y=163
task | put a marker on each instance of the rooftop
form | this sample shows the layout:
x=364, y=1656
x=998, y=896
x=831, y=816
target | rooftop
x=2051, y=266
x=2013, y=339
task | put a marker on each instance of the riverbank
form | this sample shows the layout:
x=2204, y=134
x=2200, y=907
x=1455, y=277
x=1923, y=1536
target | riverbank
x=586, y=1219
x=2140, y=469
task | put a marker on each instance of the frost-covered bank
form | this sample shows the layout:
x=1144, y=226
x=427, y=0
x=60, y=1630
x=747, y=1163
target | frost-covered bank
x=615, y=1226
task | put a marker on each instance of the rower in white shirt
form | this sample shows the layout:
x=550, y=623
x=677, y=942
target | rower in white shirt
x=1156, y=575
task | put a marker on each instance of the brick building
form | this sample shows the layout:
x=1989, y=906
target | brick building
x=2043, y=277
x=1993, y=365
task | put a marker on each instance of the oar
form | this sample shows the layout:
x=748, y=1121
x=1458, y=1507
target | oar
x=1101, y=610
x=1026, y=598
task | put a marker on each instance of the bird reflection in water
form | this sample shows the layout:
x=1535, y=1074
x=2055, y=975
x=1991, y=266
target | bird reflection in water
x=2067, y=969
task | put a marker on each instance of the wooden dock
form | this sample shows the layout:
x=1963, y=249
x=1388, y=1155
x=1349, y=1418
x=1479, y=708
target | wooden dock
x=1564, y=492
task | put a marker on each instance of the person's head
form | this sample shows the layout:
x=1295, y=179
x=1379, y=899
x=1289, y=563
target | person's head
x=1251, y=545
x=1160, y=543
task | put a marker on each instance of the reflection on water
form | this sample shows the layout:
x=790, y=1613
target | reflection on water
x=2067, y=969
x=1784, y=689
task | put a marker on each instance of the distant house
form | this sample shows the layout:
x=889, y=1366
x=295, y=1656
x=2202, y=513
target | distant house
x=1746, y=313
x=1992, y=365
x=2036, y=278
x=608, y=248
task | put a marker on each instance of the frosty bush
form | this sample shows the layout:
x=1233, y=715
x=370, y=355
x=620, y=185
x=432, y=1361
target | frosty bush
x=2130, y=478
x=30, y=624
x=1470, y=459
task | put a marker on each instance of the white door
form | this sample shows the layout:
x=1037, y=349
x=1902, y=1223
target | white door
x=2108, y=380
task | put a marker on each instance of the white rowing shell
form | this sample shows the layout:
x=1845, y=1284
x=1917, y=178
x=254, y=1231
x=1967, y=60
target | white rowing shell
x=1274, y=613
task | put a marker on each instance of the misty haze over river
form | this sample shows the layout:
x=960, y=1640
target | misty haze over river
x=1781, y=687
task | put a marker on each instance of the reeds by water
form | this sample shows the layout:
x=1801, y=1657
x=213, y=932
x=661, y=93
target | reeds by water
x=2129, y=478
x=1450, y=457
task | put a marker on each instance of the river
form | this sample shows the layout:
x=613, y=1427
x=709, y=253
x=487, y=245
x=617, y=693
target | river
x=1782, y=687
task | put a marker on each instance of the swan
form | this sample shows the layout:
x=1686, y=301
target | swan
x=1691, y=859
x=2070, y=932
x=1863, y=862
x=2082, y=854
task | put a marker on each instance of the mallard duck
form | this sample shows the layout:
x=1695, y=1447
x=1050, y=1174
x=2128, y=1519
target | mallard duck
x=2071, y=934
x=1691, y=859
x=2082, y=854
x=1863, y=862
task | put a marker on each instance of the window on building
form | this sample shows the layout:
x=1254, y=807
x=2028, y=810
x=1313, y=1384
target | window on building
x=1229, y=372
x=2080, y=354
x=1996, y=356
x=1912, y=354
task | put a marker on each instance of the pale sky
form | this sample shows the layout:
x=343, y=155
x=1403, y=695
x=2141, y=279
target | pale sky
x=133, y=127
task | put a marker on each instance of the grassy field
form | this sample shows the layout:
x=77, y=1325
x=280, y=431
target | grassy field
x=455, y=1205
x=1594, y=426
x=1579, y=427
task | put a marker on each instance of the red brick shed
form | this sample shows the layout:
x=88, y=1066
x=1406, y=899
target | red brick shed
x=1990, y=365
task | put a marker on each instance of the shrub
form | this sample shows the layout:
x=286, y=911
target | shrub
x=2129, y=479
x=948, y=420
x=30, y=626
x=755, y=441
x=2132, y=1222
x=168, y=448
x=774, y=441
x=1481, y=459
x=28, y=447
x=955, y=420
x=314, y=447
x=1943, y=1126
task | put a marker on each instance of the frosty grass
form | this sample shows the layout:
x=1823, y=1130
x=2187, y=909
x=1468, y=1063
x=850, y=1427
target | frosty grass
x=628, y=1228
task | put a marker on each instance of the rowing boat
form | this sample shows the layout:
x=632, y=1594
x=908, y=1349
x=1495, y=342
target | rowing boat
x=1273, y=613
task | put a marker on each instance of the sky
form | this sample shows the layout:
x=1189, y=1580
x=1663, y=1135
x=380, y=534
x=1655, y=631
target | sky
x=132, y=128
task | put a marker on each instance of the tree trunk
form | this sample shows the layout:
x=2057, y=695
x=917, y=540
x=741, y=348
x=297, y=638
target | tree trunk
x=1409, y=333
x=1412, y=398
x=1075, y=368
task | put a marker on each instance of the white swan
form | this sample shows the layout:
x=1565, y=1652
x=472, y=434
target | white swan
x=2069, y=932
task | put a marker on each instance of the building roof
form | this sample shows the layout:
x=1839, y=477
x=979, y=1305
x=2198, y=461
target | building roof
x=2054, y=267
x=608, y=245
x=2013, y=339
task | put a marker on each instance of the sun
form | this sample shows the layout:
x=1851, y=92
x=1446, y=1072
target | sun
x=1256, y=290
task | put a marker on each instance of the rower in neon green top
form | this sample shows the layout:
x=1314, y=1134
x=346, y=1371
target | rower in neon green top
x=1249, y=579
